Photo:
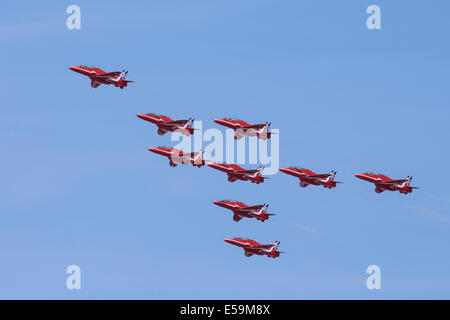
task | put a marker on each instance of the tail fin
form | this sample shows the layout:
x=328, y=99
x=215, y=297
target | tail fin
x=122, y=75
x=266, y=127
x=189, y=123
x=264, y=133
x=331, y=175
x=407, y=182
x=199, y=155
x=275, y=245
x=263, y=210
x=260, y=170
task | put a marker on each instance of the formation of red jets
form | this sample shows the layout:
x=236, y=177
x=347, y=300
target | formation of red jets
x=234, y=172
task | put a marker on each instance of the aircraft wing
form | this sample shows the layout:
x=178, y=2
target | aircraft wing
x=245, y=172
x=252, y=208
x=177, y=122
x=392, y=182
x=318, y=176
x=261, y=246
x=193, y=154
x=255, y=126
x=173, y=124
x=108, y=74
x=245, y=210
x=169, y=125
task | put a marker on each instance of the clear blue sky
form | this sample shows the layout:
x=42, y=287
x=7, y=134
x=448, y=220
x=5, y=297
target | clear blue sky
x=78, y=185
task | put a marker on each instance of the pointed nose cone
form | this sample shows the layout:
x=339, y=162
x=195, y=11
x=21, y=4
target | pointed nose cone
x=217, y=202
x=283, y=170
x=358, y=175
x=222, y=122
x=212, y=165
x=153, y=149
x=229, y=241
x=141, y=116
x=72, y=68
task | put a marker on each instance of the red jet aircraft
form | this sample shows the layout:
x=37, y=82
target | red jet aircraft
x=166, y=124
x=98, y=76
x=308, y=177
x=241, y=210
x=235, y=172
x=179, y=157
x=242, y=128
x=252, y=247
x=383, y=182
